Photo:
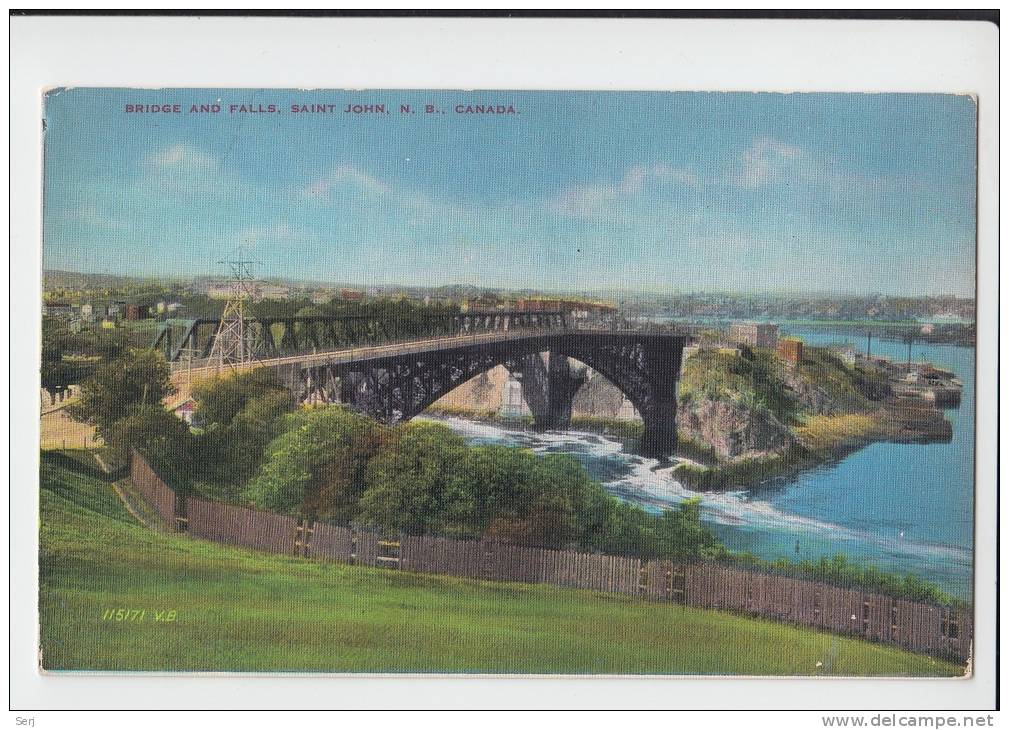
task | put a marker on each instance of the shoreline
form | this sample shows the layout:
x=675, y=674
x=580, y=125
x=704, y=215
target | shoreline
x=695, y=466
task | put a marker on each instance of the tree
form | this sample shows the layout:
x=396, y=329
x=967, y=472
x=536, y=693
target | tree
x=548, y=501
x=159, y=435
x=500, y=479
x=339, y=482
x=136, y=378
x=228, y=455
x=416, y=483
x=681, y=534
x=314, y=451
x=618, y=528
x=220, y=399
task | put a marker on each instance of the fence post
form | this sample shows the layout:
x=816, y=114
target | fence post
x=181, y=513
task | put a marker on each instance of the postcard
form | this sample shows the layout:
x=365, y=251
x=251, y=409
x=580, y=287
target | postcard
x=508, y=382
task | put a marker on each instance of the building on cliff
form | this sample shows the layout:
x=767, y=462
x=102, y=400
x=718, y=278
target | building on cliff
x=790, y=350
x=754, y=334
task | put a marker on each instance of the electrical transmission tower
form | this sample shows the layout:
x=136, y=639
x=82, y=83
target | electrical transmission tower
x=237, y=339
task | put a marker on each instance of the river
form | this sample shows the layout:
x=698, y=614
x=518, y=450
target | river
x=905, y=508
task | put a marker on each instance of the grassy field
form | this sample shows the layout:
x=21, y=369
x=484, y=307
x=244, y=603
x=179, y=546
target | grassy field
x=237, y=610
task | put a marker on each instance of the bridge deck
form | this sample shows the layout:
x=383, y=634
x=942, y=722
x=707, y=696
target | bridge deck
x=377, y=352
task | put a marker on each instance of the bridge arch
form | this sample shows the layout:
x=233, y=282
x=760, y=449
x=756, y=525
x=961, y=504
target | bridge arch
x=643, y=367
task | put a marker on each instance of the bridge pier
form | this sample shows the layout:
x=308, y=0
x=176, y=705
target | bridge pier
x=548, y=388
x=659, y=437
x=563, y=383
x=659, y=411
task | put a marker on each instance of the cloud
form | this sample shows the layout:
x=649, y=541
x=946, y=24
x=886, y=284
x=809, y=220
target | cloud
x=345, y=175
x=90, y=216
x=768, y=162
x=588, y=201
x=664, y=171
x=183, y=157
x=763, y=161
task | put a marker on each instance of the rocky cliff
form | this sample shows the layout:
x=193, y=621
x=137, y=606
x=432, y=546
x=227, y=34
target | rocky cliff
x=598, y=398
x=482, y=394
x=733, y=430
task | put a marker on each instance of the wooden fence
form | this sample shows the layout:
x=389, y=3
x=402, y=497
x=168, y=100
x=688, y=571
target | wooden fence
x=233, y=525
x=158, y=494
x=491, y=560
x=920, y=627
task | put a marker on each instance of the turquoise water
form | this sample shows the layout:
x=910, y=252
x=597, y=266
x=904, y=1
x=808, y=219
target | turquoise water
x=900, y=507
x=903, y=507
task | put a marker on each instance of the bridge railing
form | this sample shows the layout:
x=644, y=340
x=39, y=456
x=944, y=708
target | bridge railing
x=193, y=339
x=471, y=334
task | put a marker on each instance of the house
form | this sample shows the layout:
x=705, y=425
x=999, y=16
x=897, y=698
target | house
x=481, y=304
x=61, y=310
x=272, y=291
x=627, y=410
x=138, y=311
x=166, y=307
x=513, y=403
x=223, y=290
x=790, y=350
x=849, y=355
x=754, y=334
x=187, y=411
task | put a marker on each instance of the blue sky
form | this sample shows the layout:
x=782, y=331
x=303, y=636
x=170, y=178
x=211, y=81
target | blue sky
x=663, y=192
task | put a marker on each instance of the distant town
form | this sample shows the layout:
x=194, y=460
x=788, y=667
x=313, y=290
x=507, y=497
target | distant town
x=94, y=300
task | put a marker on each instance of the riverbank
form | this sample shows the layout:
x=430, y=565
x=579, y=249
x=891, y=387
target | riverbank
x=820, y=439
x=696, y=465
x=903, y=506
x=748, y=419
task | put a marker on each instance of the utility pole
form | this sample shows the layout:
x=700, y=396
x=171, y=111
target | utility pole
x=235, y=340
x=868, y=346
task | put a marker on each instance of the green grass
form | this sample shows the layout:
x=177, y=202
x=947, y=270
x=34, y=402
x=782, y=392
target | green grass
x=743, y=471
x=239, y=610
x=827, y=434
x=617, y=427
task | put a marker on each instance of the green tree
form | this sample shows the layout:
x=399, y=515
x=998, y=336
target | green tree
x=339, y=482
x=227, y=456
x=501, y=481
x=220, y=399
x=150, y=429
x=136, y=378
x=681, y=534
x=619, y=528
x=548, y=501
x=416, y=483
x=311, y=447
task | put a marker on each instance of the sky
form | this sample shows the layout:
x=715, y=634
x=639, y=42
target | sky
x=575, y=191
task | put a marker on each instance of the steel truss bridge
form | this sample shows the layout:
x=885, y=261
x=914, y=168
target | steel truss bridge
x=393, y=373
x=185, y=339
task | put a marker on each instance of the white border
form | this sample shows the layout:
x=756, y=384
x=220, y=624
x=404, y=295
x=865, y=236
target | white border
x=483, y=53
